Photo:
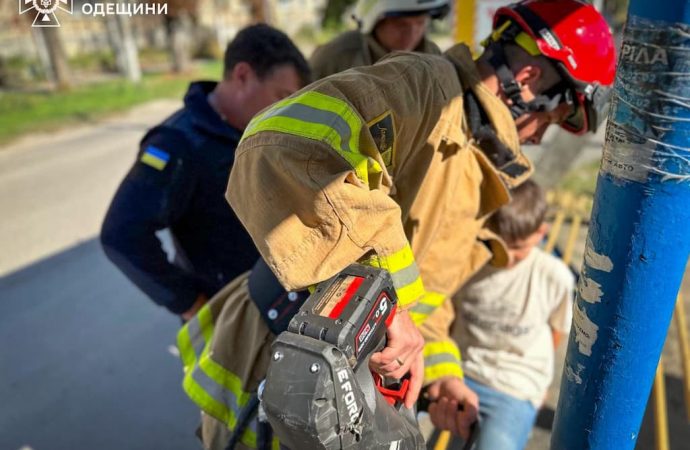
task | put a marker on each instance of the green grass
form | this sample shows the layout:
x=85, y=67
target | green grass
x=22, y=112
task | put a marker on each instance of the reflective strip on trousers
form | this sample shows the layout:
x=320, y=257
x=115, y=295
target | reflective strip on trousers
x=441, y=358
x=404, y=272
x=217, y=391
x=323, y=118
x=426, y=306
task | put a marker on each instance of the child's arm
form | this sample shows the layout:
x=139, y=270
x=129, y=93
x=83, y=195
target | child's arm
x=557, y=337
x=563, y=290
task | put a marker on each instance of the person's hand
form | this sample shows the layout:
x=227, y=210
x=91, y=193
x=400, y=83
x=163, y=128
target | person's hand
x=403, y=353
x=454, y=406
x=198, y=304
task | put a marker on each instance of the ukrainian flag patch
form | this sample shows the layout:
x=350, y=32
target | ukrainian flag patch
x=155, y=157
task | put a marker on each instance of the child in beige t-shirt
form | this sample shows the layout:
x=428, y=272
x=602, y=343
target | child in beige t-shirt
x=509, y=321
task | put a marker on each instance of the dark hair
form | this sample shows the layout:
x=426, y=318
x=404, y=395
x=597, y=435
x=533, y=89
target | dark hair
x=522, y=216
x=264, y=48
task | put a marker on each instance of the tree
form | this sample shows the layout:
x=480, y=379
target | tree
x=333, y=13
x=49, y=44
x=179, y=28
x=259, y=10
x=124, y=46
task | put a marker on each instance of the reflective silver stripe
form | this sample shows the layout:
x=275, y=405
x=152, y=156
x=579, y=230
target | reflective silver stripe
x=219, y=393
x=405, y=276
x=423, y=308
x=314, y=115
x=440, y=358
x=196, y=337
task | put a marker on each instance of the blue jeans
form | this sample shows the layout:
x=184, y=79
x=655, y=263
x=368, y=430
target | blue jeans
x=505, y=422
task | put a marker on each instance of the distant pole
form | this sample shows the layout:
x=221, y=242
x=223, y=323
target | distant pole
x=463, y=21
x=639, y=236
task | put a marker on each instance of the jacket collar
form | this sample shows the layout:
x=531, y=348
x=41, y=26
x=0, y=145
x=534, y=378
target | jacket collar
x=203, y=115
x=497, y=112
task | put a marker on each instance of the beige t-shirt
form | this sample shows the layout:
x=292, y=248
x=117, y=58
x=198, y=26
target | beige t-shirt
x=503, y=324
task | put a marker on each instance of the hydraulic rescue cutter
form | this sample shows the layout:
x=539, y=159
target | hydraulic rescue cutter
x=319, y=392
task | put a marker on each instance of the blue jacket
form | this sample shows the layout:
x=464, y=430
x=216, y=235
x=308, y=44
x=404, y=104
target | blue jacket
x=178, y=182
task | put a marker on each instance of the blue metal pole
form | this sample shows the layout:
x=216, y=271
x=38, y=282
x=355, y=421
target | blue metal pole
x=639, y=236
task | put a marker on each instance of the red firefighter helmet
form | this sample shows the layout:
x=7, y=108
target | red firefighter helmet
x=575, y=36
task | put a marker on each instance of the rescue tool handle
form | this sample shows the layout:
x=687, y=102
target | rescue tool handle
x=394, y=393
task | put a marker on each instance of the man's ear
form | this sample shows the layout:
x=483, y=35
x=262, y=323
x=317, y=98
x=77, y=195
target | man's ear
x=241, y=73
x=543, y=229
x=529, y=77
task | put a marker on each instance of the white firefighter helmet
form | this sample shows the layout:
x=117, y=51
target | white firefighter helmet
x=369, y=12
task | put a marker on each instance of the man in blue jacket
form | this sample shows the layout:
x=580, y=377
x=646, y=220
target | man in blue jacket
x=180, y=176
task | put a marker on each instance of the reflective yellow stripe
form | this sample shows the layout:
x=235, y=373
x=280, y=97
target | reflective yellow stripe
x=184, y=344
x=206, y=402
x=426, y=306
x=441, y=358
x=437, y=347
x=321, y=103
x=225, y=378
x=417, y=318
x=525, y=41
x=217, y=391
x=193, y=337
x=404, y=272
x=249, y=438
x=433, y=299
x=206, y=322
x=410, y=293
x=320, y=117
x=437, y=371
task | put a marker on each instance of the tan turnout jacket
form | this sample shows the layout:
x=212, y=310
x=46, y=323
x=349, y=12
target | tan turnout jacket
x=375, y=164
x=354, y=49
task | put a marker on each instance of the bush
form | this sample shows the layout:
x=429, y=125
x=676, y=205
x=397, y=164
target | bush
x=100, y=61
x=18, y=71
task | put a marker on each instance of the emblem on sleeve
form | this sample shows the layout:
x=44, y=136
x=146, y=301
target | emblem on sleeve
x=155, y=157
x=382, y=129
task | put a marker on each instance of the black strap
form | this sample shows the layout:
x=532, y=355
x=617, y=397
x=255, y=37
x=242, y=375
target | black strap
x=509, y=85
x=264, y=436
x=246, y=415
x=484, y=134
x=276, y=305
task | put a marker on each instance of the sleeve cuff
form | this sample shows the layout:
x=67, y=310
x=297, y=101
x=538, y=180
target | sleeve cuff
x=426, y=305
x=441, y=359
x=404, y=273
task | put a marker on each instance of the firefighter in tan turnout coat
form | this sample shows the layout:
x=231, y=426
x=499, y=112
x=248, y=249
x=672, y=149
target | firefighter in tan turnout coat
x=384, y=26
x=396, y=165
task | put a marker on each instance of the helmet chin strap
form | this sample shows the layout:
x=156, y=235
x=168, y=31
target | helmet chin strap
x=544, y=102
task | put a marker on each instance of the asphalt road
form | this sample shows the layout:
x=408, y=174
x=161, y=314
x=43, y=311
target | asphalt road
x=86, y=361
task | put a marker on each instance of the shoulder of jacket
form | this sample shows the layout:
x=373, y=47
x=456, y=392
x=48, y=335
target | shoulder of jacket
x=428, y=46
x=177, y=141
x=343, y=52
x=349, y=40
x=181, y=129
